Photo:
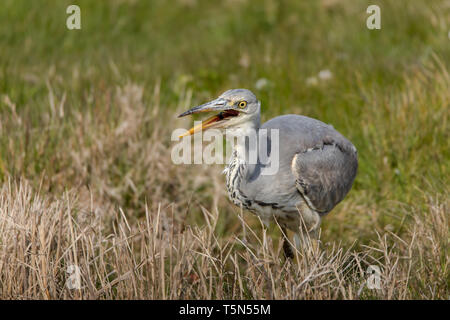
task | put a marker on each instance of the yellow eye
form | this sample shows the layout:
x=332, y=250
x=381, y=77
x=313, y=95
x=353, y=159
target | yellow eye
x=242, y=104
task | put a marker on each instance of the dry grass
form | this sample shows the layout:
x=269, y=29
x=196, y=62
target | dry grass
x=159, y=258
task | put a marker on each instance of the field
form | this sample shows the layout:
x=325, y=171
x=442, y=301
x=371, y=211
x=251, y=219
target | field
x=89, y=191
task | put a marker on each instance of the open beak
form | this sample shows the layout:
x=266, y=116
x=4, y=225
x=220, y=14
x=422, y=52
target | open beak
x=221, y=105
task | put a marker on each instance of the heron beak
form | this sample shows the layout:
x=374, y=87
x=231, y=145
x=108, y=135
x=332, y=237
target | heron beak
x=214, y=121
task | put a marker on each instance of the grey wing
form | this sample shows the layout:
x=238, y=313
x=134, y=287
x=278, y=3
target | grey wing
x=316, y=163
x=325, y=174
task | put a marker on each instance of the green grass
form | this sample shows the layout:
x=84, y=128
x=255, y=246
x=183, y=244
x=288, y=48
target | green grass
x=93, y=108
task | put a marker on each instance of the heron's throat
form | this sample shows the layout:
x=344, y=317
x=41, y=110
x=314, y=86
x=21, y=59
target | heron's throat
x=244, y=139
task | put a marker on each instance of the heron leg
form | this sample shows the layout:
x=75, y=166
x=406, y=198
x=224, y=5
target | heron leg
x=288, y=253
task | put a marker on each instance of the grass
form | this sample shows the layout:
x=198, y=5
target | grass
x=85, y=168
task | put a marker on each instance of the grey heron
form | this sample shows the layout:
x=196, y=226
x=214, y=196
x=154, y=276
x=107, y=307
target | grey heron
x=316, y=169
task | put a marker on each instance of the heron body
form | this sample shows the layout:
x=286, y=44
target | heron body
x=316, y=165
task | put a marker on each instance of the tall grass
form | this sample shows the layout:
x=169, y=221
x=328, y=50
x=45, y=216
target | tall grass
x=159, y=257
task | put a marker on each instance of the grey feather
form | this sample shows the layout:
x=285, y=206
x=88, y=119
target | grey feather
x=324, y=176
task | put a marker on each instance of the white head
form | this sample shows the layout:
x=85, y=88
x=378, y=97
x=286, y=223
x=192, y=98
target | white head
x=239, y=111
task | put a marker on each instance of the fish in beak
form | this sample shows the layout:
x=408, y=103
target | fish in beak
x=226, y=112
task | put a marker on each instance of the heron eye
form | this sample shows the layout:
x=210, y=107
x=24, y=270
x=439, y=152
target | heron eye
x=242, y=104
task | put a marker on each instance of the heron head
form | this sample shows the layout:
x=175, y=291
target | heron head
x=236, y=108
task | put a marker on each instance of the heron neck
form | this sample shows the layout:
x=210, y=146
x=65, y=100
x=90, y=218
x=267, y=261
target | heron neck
x=245, y=141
